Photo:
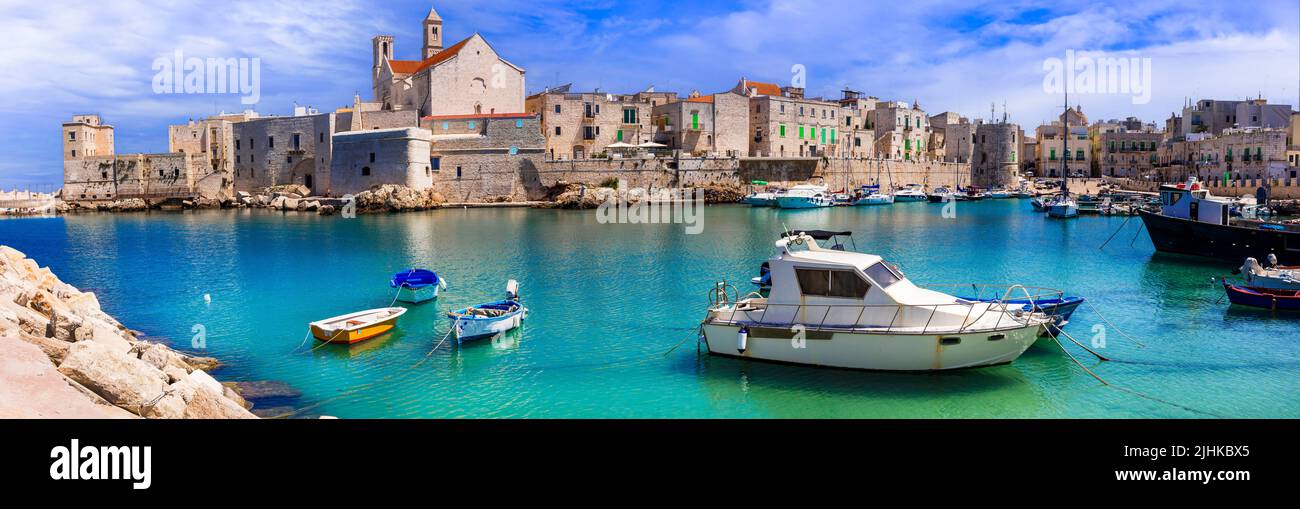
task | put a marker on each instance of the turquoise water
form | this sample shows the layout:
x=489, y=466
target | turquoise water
x=608, y=300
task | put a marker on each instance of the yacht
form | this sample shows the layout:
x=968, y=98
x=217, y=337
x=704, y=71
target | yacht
x=1063, y=207
x=844, y=309
x=912, y=192
x=874, y=197
x=761, y=199
x=805, y=196
x=940, y=195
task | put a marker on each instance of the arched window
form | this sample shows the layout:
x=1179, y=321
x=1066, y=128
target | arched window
x=365, y=171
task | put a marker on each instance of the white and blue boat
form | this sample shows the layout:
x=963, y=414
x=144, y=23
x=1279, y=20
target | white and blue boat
x=805, y=196
x=491, y=318
x=1058, y=308
x=417, y=285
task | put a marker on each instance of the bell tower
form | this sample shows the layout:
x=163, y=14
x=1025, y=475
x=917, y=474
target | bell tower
x=432, y=34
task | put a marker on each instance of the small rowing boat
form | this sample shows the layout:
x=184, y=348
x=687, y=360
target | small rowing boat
x=1274, y=276
x=1264, y=298
x=356, y=327
x=1059, y=309
x=417, y=285
x=489, y=319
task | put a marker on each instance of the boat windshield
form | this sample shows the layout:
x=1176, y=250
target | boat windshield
x=882, y=275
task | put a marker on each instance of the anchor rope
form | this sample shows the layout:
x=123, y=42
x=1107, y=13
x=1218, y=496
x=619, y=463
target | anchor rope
x=1112, y=325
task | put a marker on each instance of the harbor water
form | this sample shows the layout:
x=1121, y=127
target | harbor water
x=610, y=301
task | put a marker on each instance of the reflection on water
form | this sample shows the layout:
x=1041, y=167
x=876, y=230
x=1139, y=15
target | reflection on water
x=608, y=301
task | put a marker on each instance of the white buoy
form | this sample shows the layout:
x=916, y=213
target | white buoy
x=742, y=339
x=207, y=299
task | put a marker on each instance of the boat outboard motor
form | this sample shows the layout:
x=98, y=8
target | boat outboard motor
x=512, y=290
x=1272, y=260
x=742, y=339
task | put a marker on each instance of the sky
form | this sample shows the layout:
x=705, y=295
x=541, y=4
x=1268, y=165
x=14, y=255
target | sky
x=62, y=58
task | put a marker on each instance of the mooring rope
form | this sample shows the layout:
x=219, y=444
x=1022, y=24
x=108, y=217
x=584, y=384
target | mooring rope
x=1117, y=329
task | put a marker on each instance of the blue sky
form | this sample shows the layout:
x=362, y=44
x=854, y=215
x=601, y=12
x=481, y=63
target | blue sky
x=61, y=58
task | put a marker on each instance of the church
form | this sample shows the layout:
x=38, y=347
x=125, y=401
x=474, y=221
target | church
x=466, y=78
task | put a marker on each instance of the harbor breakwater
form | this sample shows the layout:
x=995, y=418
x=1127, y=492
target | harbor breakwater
x=546, y=184
x=62, y=356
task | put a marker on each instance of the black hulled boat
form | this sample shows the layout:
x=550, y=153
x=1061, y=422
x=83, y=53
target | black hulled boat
x=1192, y=222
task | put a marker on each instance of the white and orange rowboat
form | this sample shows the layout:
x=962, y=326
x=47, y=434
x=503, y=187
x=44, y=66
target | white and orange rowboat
x=356, y=327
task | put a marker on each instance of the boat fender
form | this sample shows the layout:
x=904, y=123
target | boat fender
x=742, y=339
x=442, y=283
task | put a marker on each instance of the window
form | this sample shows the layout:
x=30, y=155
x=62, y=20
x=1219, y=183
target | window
x=618, y=135
x=801, y=132
x=365, y=171
x=629, y=116
x=1078, y=155
x=237, y=159
x=74, y=152
x=435, y=163
x=781, y=129
x=695, y=120
x=296, y=142
x=270, y=142
x=372, y=157
x=457, y=172
x=288, y=159
x=250, y=144
x=322, y=137
x=557, y=108
x=1053, y=155
x=883, y=275
x=831, y=283
x=72, y=135
x=236, y=144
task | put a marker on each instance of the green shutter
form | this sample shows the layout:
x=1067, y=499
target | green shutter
x=619, y=136
x=782, y=130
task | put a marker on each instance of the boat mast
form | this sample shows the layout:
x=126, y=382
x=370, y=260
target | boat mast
x=1065, y=146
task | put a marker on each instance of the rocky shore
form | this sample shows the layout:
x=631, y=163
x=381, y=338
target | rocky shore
x=61, y=356
x=582, y=196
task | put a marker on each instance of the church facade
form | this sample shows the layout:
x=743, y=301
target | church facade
x=466, y=78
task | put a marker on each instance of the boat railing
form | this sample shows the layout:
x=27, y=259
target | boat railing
x=791, y=315
x=995, y=290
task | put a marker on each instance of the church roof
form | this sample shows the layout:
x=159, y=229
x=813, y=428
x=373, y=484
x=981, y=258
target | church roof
x=415, y=66
x=433, y=14
x=700, y=99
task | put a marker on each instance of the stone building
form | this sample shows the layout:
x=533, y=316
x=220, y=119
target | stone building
x=857, y=114
x=1054, y=149
x=87, y=136
x=486, y=157
x=902, y=131
x=578, y=125
x=374, y=157
x=211, y=142
x=994, y=158
x=366, y=116
x=273, y=151
x=1131, y=154
x=705, y=125
x=783, y=123
x=951, y=138
x=1241, y=153
x=466, y=78
x=1293, y=140
x=94, y=172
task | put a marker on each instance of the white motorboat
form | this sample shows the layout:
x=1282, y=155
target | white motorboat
x=761, y=199
x=912, y=192
x=805, y=196
x=1273, y=277
x=940, y=195
x=1063, y=207
x=846, y=309
x=875, y=198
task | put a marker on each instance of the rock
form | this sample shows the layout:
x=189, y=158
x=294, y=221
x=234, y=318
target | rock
x=202, y=363
x=264, y=389
x=12, y=254
x=326, y=210
x=174, y=374
x=310, y=205
x=198, y=396
x=278, y=203
x=55, y=349
x=289, y=204
x=161, y=357
x=63, y=326
x=123, y=380
x=233, y=395
x=242, y=195
x=108, y=336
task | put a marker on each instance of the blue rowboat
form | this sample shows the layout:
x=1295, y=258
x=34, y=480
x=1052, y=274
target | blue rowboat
x=1059, y=308
x=417, y=285
x=1264, y=298
x=489, y=319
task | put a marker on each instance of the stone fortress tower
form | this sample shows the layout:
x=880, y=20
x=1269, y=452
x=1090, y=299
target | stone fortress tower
x=994, y=161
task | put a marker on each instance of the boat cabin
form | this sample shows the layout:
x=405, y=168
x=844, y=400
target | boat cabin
x=1192, y=201
x=819, y=286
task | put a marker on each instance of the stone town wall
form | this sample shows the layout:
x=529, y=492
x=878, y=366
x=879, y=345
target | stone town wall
x=692, y=172
x=150, y=176
x=90, y=179
x=499, y=164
